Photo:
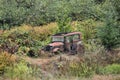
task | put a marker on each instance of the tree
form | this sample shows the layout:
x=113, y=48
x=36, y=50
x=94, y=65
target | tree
x=88, y=29
x=116, y=4
x=22, y=12
x=63, y=18
x=109, y=34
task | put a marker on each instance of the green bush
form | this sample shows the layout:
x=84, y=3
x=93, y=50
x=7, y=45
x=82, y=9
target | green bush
x=112, y=69
x=64, y=23
x=6, y=59
x=21, y=71
x=109, y=35
x=18, y=70
x=88, y=29
x=12, y=67
x=38, y=12
x=80, y=69
x=22, y=40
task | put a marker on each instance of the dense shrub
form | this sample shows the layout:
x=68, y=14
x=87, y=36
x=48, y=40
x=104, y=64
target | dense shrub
x=80, y=69
x=18, y=70
x=110, y=35
x=36, y=12
x=39, y=12
x=64, y=24
x=63, y=20
x=13, y=67
x=112, y=69
x=6, y=59
x=25, y=39
x=88, y=29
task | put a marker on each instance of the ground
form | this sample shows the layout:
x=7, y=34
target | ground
x=46, y=61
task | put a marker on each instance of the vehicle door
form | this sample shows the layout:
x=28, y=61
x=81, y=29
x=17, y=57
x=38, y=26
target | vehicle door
x=76, y=39
x=68, y=40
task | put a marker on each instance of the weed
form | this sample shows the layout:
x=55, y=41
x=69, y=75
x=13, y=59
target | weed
x=81, y=69
x=6, y=59
x=112, y=69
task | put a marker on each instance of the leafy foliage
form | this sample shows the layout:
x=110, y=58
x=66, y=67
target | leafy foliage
x=64, y=24
x=88, y=29
x=18, y=70
x=80, y=69
x=110, y=32
x=6, y=59
x=38, y=12
x=110, y=35
x=112, y=69
x=26, y=39
x=92, y=16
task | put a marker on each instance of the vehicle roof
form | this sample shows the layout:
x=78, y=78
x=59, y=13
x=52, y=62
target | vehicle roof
x=67, y=34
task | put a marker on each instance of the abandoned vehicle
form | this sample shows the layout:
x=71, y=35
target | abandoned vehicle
x=65, y=42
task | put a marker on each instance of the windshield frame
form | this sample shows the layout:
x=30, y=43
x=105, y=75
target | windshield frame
x=53, y=37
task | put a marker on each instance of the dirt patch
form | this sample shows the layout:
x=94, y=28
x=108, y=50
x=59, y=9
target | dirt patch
x=46, y=61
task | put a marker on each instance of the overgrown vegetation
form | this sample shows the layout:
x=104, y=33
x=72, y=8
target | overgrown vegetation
x=26, y=40
x=112, y=69
x=16, y=68
x=27, y=25
x=37, y=12
x=6, y=59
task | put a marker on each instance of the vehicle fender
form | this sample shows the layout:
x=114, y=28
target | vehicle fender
x=56, y=49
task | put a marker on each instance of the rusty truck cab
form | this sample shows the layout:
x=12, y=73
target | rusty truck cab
x=65, y=42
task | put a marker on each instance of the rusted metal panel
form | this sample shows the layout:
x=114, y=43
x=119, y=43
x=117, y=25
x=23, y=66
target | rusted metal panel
x=71, y=42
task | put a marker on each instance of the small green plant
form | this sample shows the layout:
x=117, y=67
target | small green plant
x=6, y=59
x=80, y=69
x=18, y=70
x=21, y=71
x=112, y=69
